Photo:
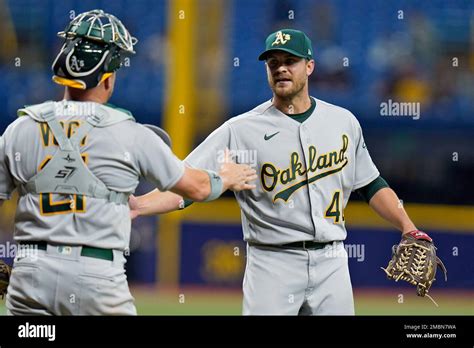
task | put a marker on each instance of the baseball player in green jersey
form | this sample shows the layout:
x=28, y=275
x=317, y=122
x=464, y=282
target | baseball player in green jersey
x=75, y=164
x=310, y=156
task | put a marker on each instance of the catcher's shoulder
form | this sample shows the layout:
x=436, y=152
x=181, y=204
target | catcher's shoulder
x=21, y=124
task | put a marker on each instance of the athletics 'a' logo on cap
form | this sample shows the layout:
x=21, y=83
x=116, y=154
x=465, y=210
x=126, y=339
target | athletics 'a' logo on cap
x=281, y=38
x=76, y=64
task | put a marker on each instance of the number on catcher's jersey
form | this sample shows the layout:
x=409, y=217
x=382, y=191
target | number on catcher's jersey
x=48, y=207
x=335, y=207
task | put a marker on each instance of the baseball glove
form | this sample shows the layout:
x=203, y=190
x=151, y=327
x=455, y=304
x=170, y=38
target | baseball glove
x=5, y=272
x=414, y=260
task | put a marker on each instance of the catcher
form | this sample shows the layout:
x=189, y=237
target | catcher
x=81, y=159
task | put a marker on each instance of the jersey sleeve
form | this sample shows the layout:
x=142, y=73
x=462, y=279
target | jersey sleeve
x=210, y=153
x=6, y=181
x=365, y=169
x=157, y=163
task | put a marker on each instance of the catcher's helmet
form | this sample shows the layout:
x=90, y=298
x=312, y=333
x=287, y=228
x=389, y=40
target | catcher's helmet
x=95, y=46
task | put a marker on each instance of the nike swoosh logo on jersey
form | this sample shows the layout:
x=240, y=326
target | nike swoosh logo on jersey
x=268, y=137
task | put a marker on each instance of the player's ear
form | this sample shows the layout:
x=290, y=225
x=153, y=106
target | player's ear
x=310, y=66
x=109, y=81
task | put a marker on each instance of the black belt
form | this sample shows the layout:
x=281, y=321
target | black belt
x=98, y=253
x=304, y=245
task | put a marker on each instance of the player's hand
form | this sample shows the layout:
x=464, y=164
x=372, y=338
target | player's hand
x=133, y=204
x=236, y=177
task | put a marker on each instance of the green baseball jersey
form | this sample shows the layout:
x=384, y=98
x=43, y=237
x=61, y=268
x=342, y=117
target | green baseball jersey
x=118, y=155
x=306, y=170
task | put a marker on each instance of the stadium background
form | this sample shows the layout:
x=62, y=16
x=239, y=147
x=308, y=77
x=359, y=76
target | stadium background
x=196, y=66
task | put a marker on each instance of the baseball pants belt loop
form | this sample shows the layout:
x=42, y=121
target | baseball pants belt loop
x=97, y=253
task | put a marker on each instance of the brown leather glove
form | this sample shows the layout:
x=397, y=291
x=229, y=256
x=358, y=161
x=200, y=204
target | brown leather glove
x=5, y=272
x=414, y=260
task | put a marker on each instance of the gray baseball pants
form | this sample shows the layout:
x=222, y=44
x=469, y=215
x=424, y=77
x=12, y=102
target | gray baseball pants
x=59, y=281
x=286, y=281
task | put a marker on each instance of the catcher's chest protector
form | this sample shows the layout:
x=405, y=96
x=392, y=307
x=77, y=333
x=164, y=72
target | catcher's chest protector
x=66, y=172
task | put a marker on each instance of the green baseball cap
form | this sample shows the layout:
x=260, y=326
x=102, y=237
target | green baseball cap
x=289, y=40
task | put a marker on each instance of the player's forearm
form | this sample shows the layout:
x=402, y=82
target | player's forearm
x=195, y=185
x=157, y=202
x=387, y=205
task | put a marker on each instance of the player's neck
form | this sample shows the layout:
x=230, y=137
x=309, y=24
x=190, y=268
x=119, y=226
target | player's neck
x=85, y=95
x=295, y=105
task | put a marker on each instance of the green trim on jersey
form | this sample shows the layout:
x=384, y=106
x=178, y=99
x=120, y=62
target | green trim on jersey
x=304, y=115
x=369, y=190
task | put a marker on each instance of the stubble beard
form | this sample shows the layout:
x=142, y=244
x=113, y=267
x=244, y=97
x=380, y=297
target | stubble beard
x=288, y=93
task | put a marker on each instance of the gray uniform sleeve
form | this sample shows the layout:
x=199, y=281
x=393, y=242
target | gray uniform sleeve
x=6, y=181
x=156, y=161
x=365, y=169
x=210, y=153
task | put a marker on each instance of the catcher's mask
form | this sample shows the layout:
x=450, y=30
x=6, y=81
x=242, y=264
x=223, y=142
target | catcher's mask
x=96, y=44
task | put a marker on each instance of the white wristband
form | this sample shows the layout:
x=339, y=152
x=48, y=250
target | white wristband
x=216, y=186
